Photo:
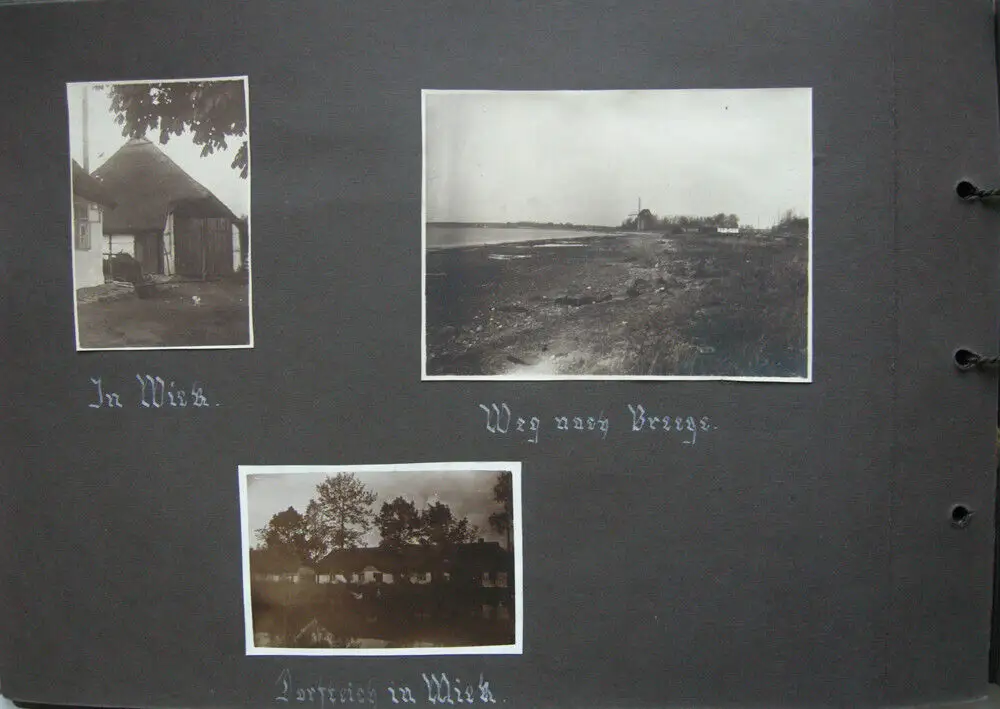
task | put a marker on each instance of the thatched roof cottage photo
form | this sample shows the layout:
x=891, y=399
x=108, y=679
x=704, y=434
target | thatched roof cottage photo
x=161, y=205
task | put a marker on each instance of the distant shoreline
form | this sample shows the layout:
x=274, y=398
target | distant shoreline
x=540, y=236
x=603, y=228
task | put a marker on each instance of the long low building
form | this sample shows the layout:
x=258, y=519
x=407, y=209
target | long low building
x=483, y=564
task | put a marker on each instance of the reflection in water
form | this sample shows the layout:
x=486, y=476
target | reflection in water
x=377, y=623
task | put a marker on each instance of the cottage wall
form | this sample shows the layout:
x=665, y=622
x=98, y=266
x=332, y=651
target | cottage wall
x=88, y=244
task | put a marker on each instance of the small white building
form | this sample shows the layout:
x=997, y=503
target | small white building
x=420, y=578
x=90, y=199
x=330, y=578
x=373, y=575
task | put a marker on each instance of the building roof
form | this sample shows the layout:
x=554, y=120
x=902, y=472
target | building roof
x=274, y=561
x=415, y=557
x=87, y=187
x=148, y=186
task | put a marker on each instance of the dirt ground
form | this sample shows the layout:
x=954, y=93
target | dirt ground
x=178, y=314
x=620, y=305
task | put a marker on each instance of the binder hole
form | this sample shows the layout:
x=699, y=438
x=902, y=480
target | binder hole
x=966, y=189
x=965, y=359
x=960, y=516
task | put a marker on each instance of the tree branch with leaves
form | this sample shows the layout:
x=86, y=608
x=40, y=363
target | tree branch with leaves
x=340, y=515
x=286, y=533
x=214, y=112
x=502, y=521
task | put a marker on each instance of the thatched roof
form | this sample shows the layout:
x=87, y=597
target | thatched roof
x=148, y=186
x=85, y=186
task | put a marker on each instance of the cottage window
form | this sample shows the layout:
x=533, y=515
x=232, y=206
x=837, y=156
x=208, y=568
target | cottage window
x=83, y=235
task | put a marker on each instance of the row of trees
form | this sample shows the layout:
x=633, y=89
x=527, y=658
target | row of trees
x=792, y=220
x=789, y=218
x=655, y=223
x=341, y=514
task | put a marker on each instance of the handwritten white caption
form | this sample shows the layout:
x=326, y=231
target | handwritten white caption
x=435, y=688
x=501, y=421
x=150, y=392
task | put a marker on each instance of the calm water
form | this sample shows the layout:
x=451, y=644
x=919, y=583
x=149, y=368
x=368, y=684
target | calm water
x=447, y=237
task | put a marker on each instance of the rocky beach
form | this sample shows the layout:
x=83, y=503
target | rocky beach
x=621, y=304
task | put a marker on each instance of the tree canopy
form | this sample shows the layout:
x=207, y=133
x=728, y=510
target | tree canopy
x=213, y=111
x=340, y=516
x=400, y=524
x=502, y=522
x=286, y=531
x=341, y=513
x=440, y=526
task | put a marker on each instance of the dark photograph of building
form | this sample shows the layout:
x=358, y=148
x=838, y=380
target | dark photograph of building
x=381, y=559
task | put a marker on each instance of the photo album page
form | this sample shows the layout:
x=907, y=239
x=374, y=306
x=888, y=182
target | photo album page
x=569, y=355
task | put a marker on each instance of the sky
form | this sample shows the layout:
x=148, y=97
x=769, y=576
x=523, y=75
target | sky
x=469, y=493
x=587, y=157
x=213, y=171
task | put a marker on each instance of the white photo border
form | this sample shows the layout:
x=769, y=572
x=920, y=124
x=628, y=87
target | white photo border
x=517, y=648
x=76, y=305
x=424, y=376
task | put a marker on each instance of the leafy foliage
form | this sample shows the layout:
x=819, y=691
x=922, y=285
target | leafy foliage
x=400, y=524
x=287, y=532
x=340, y=515
x=441, y=528
x=670, y=222
x=503, y=493
x=792, y=220
x=213, y=111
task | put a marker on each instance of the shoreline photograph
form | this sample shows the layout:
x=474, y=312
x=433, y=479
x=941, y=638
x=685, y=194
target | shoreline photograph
x=160, y=182
x=413, y=559
x=658, y=234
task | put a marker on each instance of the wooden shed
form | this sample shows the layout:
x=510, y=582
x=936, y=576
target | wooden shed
x=179, y=226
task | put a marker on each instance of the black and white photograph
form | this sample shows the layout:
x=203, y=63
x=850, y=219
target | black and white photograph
x=160, y=183
x=647, y=234
x=411, y=559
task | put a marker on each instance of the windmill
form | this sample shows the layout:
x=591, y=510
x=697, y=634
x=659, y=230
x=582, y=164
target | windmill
x=641, y=216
